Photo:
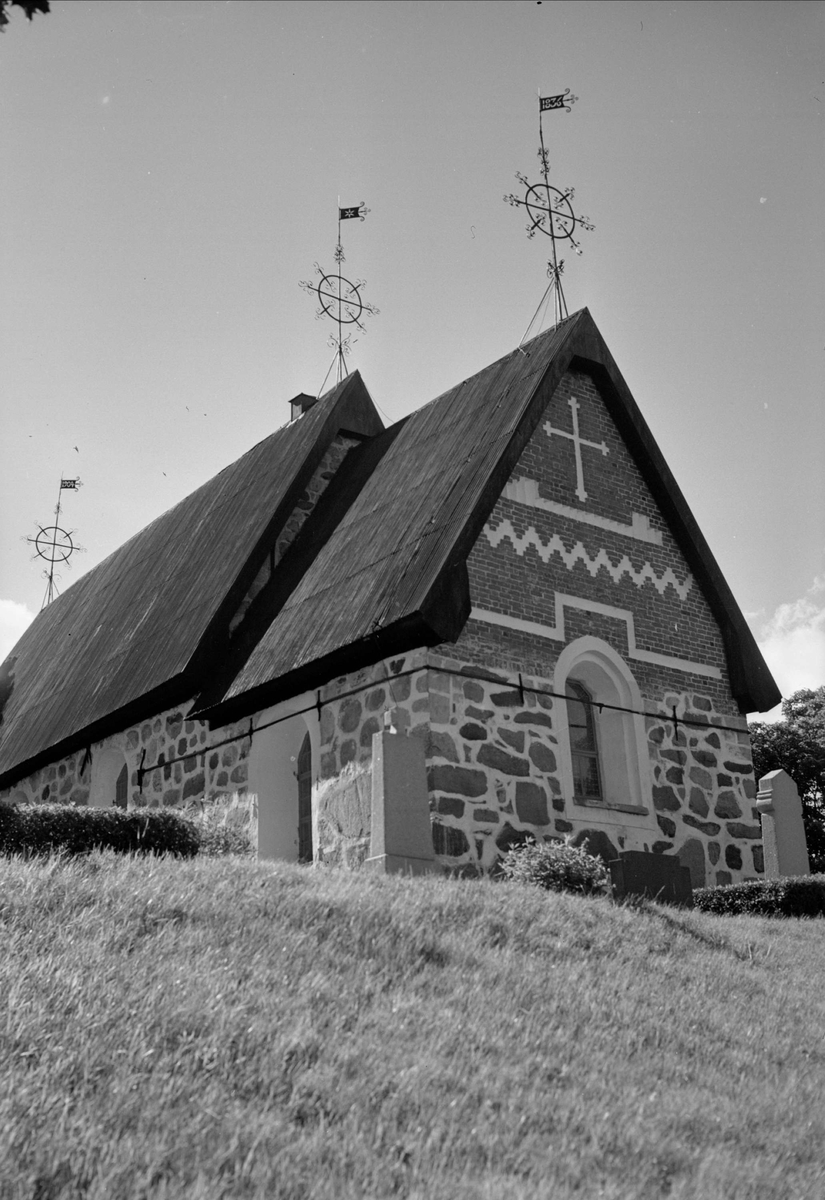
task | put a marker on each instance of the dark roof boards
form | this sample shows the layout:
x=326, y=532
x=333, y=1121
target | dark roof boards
x=378, y=567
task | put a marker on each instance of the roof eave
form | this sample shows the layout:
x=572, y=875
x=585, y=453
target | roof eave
x=410, y=633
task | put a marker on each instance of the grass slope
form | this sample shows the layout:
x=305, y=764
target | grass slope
x=226, y=1028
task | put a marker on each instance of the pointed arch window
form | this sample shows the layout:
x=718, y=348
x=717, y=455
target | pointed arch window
x=304, y=774
x=603, y=752
x=122, y=788
x=584, y=746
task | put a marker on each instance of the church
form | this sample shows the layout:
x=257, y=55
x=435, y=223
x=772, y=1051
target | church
x=509, y=577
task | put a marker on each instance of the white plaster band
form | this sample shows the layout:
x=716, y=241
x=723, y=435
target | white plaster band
x=526, y=491
x=557, y=633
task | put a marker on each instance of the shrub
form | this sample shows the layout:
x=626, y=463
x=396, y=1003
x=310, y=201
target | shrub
x=795, y=896
x=556, y=866
x=218, y=834
x=44, y=828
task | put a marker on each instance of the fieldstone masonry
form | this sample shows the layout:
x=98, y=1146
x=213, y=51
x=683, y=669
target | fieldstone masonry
x=181, y=763
x=493, y=773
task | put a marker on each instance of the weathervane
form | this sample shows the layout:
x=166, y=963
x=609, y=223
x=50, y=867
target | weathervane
x=551, y=213
x=54, y=544
x=340, y=298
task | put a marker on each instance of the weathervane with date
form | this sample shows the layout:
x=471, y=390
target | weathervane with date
x=54, y=544
x=550, y=212
x=340, y=298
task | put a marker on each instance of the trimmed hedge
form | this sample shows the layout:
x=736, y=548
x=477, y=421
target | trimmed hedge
x=45, y=828
x=794, y=896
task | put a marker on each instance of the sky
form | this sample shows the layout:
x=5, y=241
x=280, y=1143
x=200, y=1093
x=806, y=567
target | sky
x=172, y=170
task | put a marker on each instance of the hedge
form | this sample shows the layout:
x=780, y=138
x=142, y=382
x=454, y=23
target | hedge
x=794, y=896
x=44, y=828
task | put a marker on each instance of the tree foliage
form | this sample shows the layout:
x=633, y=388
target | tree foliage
x=796, y=744
x=30, y=7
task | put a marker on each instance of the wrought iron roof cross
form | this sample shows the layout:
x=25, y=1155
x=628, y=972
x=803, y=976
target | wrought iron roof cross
x=54, y=544
x=340, y=298
x=550, y=212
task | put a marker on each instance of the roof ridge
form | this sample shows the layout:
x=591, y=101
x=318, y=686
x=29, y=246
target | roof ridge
x=547, y=333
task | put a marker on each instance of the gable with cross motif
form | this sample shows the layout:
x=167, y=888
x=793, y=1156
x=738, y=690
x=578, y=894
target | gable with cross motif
x=578, y=444
x=577, y=544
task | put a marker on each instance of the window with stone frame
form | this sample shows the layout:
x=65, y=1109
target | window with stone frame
x=584, y=746
x=304, y=776
x=122, y=788
x=603, y=753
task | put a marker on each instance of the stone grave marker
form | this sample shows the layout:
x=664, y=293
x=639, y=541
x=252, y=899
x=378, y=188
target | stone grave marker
x=657, y=876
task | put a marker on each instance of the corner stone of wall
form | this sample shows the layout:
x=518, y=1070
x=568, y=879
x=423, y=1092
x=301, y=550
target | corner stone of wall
x=704, y=792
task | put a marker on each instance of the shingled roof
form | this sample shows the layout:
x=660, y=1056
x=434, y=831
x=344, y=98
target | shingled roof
x=380, y=566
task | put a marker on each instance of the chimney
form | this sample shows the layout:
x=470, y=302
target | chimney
x=299, y=404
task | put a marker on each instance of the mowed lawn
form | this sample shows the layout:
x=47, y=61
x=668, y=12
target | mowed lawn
x=226, y=1028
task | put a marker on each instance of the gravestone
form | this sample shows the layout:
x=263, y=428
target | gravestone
x=401, y=838
x=659, y=877
x=783, y=831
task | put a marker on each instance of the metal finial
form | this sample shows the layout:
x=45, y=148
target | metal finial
x=340, y=298
x=550, y=212
x=54, y=544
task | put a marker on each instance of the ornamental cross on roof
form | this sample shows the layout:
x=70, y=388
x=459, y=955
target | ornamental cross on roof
x=54, y=544
x=550, y=212
x=340, y=298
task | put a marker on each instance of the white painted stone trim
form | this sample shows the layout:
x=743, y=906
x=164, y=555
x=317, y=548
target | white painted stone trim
x=624, y=762
x=616, y=571
x=557, y=632
x=578, y=441
x=526, y=491
x=272, y=777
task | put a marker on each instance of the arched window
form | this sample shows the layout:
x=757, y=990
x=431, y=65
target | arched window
x=121, y=788
x=281, y=778
x=584, y=747
x=304, y=774
x=110, y=778
x=602, y=743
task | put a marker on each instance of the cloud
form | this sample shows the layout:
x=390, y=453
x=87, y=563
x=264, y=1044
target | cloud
x=793, y=643
x=14, y=621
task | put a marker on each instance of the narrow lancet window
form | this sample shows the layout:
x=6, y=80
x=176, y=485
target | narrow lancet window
x=584, y=748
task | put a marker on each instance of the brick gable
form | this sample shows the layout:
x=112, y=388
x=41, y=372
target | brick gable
x=611, y=550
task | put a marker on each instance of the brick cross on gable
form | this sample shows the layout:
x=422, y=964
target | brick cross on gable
x=578, y=441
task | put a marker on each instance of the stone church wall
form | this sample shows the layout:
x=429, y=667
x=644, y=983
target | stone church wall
x=181, y=759
x=493, y=771
x=395, y=689
x=494, y=776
